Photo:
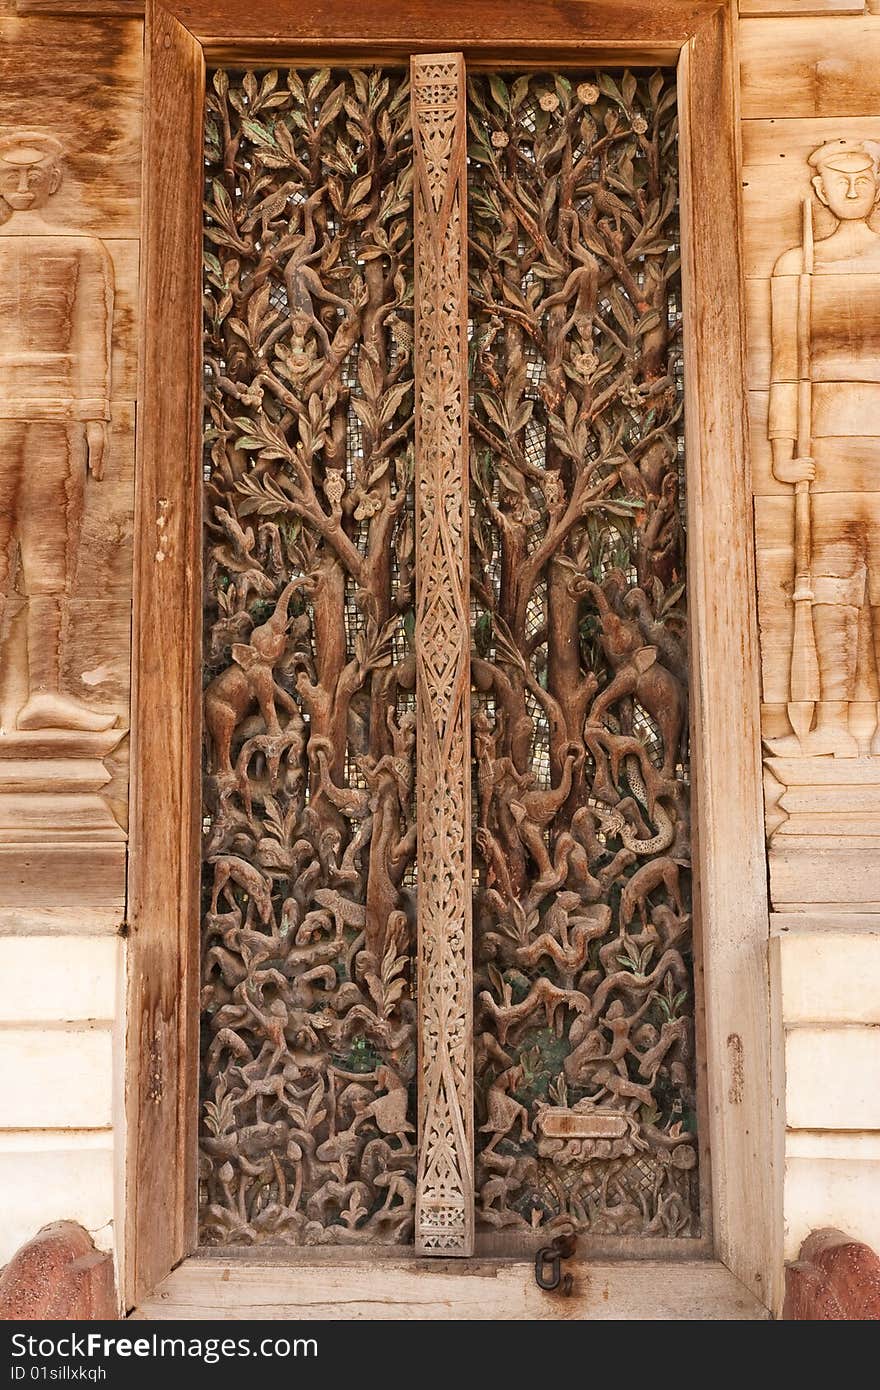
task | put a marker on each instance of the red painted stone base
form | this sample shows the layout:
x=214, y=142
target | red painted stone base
x=58, y=1275
x=835, y=1278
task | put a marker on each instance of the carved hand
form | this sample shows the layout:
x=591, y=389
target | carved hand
x=96, y=442
x=786, y=468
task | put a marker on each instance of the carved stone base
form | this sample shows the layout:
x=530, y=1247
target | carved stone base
x=835, y=1279
x=58, y=1275
x=50, y=787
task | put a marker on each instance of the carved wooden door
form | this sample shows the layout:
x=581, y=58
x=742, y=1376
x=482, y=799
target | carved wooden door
x=447, y=980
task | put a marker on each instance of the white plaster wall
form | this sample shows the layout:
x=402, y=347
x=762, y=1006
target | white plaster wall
x=61, y=1059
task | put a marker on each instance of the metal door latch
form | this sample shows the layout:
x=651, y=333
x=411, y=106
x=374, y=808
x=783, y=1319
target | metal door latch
x=548, y=1264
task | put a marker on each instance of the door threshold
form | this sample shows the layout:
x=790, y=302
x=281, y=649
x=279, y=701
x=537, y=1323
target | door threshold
x=429, y=1290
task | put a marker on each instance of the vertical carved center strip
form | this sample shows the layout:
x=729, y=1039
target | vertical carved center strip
x=444, y=1201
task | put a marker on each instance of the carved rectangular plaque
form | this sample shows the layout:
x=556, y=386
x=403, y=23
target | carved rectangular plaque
x=572, y=1124
x=444, y=1193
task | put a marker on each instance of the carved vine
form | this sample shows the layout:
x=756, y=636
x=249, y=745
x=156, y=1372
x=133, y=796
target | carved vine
x=309, y=831
x=583, y=977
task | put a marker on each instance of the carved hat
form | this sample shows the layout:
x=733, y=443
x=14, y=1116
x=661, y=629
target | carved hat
x=845, y=156
x=26, y=147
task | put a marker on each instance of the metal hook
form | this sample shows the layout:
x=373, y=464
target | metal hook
x=548, y=1264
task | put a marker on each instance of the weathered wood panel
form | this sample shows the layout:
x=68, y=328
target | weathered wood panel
x=798, y=7
x=121, y=8
x=105, y=561
x=443, y=1290
x=125, y=256
x=781, y=141
x=92, y=103
x=773, y=202
x=758, y=341
x=163, y=886
x=802, y=871
x=856, y=1146
x=470, y=25
x=775, y=563
x=809, y=67
x=725, y=650
x=62, y=888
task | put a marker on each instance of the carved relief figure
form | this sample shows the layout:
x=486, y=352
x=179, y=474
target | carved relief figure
x=56, y=307
x=824, y=427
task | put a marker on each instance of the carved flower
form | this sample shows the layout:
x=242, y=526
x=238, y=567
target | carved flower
x=588, y=93
x=548, y=101
x=639, y=125
x=500, y=138
x=585, y=363
x=684, y=1158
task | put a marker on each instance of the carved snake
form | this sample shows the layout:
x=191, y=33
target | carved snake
x=613, y=823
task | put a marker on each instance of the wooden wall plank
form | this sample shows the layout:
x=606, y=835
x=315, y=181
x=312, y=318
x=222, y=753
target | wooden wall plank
x=163, y=1001
x=732, y=888
x=803, y=872
x=62, y=888
x=798, y=7
x=105, y=558
x=437, y=1290
x=92, y=105
x=857, y=1145
x=823, y=920
x=125, y=256
x=809, y=67
x=465, y=24
x=774, y=558
x=782, y=141
x=758, y=339
x=124, y=9
x=773, y=201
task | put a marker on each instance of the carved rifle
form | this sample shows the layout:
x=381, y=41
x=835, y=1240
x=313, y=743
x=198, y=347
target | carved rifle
x=804, y=680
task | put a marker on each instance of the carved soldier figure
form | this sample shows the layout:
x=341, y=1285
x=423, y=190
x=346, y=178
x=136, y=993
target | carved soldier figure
x=56, y=307
x=826, y=354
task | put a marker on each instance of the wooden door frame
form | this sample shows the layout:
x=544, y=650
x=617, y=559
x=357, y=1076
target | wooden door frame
x=182, y=36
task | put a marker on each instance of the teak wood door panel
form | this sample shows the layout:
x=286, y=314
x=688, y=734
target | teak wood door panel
x=733, y=908
x=576, y=1060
